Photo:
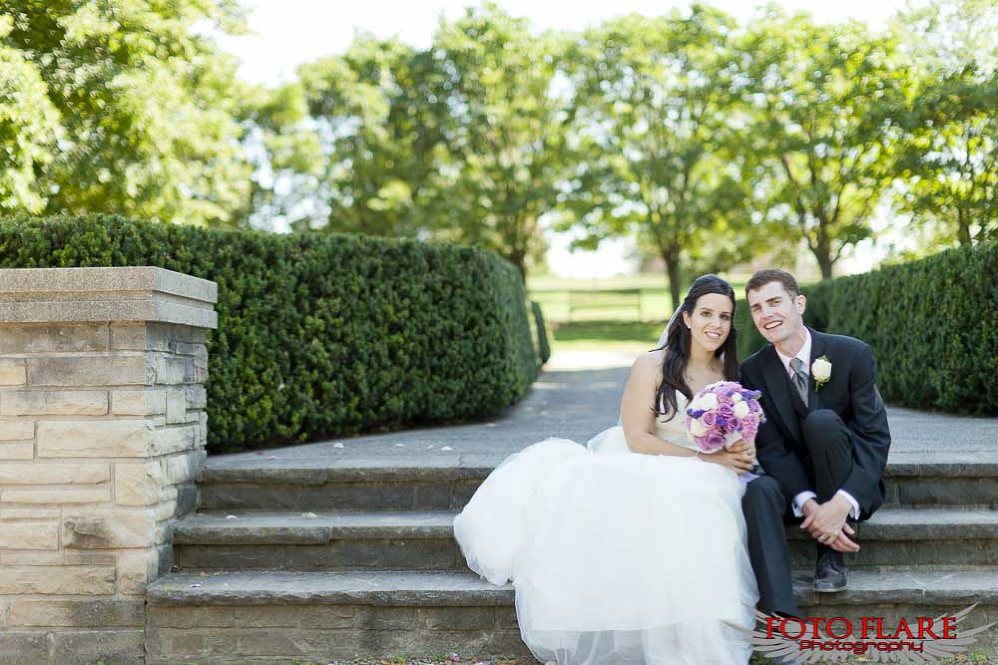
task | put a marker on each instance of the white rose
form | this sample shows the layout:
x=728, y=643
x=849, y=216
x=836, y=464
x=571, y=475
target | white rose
x=737, y=397
x=708, y=402
x=821, y=370
x=697, y=428
x=741, y=409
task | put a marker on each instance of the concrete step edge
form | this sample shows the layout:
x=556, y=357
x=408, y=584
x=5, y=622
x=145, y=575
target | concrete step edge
x=466, y=589
x=291, y=528
x=294, y=472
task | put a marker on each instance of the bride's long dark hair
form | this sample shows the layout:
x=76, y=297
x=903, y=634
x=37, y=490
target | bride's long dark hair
x=677, y=347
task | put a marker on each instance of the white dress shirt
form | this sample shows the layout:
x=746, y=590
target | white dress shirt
x=798, y=503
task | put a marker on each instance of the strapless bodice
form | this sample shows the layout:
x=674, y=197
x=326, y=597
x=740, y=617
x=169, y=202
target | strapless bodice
x=673, y=430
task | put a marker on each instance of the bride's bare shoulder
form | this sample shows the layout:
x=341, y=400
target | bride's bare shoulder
x=649, y=362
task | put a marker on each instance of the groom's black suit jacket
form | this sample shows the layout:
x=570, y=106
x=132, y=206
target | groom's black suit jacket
x=850, y=392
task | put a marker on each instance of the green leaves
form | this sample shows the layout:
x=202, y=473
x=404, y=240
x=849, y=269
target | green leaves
x=654, y=112
x=142, y=105
x=822, y=129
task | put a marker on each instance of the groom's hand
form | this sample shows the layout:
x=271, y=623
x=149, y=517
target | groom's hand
x=826, y=523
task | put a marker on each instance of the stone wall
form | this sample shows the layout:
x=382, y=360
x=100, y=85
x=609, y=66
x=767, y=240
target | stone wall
x=102, y=437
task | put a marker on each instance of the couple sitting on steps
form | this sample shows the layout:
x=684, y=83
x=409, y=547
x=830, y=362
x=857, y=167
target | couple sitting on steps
x=639, y=550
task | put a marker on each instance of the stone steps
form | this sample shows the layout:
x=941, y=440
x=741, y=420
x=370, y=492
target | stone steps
x=339, y=559
x=928, y=538
x=960, y=480
x=253, y=617
x=329, y=541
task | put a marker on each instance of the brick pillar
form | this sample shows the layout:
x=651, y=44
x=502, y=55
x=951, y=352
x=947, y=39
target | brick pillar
x=102, y=437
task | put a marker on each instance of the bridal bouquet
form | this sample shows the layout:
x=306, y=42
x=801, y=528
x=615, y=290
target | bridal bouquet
x=723, y=413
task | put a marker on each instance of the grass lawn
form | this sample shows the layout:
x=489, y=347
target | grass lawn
x=616, y=336
x=653, y=303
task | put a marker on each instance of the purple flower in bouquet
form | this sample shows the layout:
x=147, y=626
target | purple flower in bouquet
x=721, y=414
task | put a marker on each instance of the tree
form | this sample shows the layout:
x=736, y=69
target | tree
x=655, y=118
x=29, y=126
x=505, y=133
x=949, y=158
x=146, y=106
x=376, y=113
x=822, y=133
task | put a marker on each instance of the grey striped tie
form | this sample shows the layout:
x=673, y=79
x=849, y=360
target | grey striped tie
x=799, y=378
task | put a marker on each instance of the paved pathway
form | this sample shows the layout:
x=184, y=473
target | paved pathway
x=577, y=396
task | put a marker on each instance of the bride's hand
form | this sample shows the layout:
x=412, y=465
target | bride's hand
x=742, y=446
x=739, y=462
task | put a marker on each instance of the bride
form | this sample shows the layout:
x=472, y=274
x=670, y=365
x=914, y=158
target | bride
x=631, y=550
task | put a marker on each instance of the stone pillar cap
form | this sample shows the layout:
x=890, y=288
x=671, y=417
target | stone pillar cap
x=140, y=293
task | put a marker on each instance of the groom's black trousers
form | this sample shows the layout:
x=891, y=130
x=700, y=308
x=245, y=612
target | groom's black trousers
x=768, y=509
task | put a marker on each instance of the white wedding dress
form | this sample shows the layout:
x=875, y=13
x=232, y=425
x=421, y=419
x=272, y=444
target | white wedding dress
x=617, y=557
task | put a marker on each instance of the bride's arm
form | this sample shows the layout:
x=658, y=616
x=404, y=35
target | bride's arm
x=636, y=413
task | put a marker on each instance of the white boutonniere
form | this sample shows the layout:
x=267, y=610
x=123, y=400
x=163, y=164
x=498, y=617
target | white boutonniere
x=821, y=370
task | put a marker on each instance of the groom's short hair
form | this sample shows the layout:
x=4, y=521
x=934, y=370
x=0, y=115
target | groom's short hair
x=764, y=277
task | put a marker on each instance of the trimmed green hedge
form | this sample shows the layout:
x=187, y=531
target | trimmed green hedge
x=749, y=340
x=542, y=344
x=322, y=335
x=933, y=325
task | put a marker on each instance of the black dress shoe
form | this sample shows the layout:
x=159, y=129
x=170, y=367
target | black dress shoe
x=829, y=571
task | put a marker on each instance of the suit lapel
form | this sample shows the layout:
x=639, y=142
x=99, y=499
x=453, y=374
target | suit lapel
x=775, y=375
x=818, y=344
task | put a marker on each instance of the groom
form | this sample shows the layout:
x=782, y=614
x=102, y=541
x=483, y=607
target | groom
x=823, y=446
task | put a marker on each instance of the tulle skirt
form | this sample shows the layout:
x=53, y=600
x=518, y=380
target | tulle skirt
x=616, y=557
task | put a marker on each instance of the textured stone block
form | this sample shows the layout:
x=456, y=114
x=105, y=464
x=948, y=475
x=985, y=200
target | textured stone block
x=53, y=402
x=30, y=514
x=53, y=338
x=176, y=406
x=17, y=451
x=136, y=568
x=130, y=337
x=137, y=484
x=267, y=616
x=29, y=535
x=61, y=580
x=57, y=496
x=328, y=617
x=54, y=473
x=80, y=613
x=93, y=438
x=16, y=430
x=104, y=529
x=138, y=402
x=89, y=370
x=184, y=468
x=24, y=647
x=168, y=616
x=175, y=370
x=168, y=440
x=155, y=336
x=197, y=397
x=12, y=372
x=98, y=646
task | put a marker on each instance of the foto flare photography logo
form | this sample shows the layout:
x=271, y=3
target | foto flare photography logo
x=878, y=639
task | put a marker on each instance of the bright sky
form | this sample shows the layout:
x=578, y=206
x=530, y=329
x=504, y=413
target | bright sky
x=291, y=32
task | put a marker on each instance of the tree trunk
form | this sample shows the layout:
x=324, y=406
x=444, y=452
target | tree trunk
x=963, y=227
x=518, y=258
x=822, y=251
x=674, y=272
x=825, y=263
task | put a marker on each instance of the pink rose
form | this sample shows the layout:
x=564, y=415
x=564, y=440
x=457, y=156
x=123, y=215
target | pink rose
x=725, y=410
x=709, y=418
x=715, y=441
